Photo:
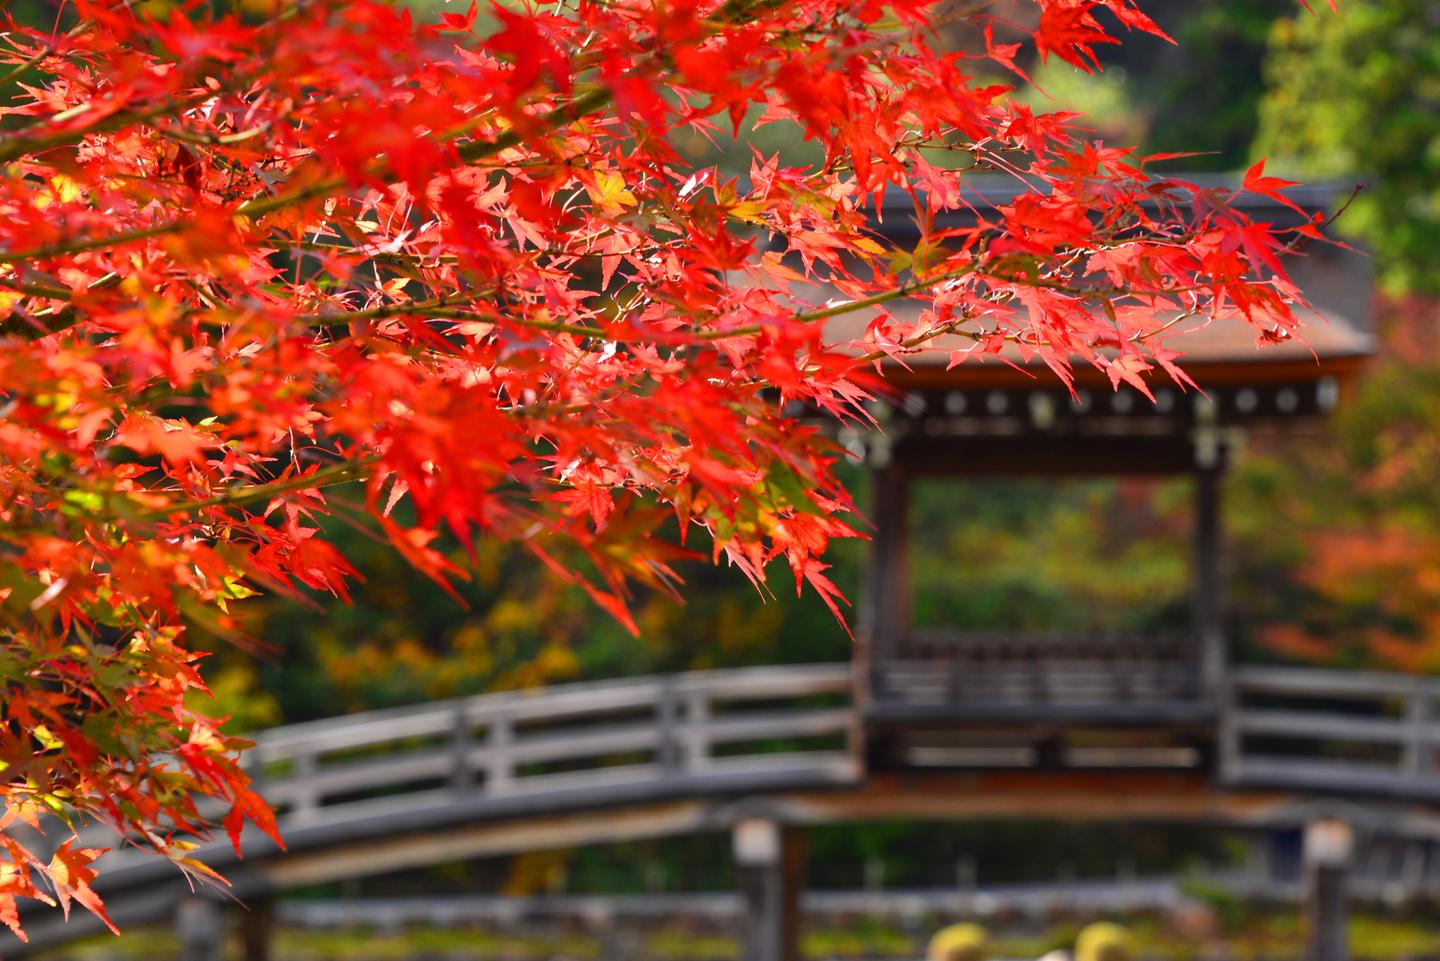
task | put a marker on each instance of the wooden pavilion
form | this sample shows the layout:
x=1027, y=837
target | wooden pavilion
x=951, y=698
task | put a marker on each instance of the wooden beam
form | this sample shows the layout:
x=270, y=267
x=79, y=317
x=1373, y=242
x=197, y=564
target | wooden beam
x=401, y=851
x=1209, y=575
x=1208, y=374
x=1032, y=453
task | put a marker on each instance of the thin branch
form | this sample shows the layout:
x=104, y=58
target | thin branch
x=341, y=473
x=885, y=296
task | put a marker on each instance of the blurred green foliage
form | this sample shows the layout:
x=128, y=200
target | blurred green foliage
x=1048, y=554
x=1359, y=92
x=1199, y=95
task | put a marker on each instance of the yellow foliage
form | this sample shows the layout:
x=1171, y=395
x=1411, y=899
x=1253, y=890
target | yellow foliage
x=536, y=872
x=958, y=942
x=1104, y=941
x=610, y=193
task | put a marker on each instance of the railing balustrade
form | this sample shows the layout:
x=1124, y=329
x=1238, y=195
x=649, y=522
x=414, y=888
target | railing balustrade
x=1016, y=669
x=1316, y=731
x=1329, y=730
x=494, y=745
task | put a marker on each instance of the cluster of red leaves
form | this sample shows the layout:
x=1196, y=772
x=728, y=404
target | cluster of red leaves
x=463, y=266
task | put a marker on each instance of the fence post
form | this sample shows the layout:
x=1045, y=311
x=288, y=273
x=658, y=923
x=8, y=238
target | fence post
x=1328, y=846
x=257, y=923
x=769, y=864
x=200, y=929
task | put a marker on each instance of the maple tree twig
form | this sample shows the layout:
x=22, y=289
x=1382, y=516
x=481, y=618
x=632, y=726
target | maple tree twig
x=340, y=473
x=46, y=49
x=825, y=313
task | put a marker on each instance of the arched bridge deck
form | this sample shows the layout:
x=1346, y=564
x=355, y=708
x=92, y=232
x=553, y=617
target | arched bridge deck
x=595, y=762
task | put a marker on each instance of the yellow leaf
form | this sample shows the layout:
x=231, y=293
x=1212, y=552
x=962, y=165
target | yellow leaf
x=61, y=188
x=748, y=211
x=610, y=193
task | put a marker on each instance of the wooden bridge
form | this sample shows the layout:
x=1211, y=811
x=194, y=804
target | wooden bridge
x=763, y=751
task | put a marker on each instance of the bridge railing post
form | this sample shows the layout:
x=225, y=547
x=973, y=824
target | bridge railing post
x=1228, y=733
x=668, y=752
x=697, y=741
x=306, y=800
x=1418, y=759
x=460, y=748
x=500, y=772
x=254, y=765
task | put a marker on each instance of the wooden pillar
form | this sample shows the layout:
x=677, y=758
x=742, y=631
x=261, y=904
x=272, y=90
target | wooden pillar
x=257, y=928
x=1327, y=849
x=770, y=867
x=200, y=929
x=885, y=606
x=1209, y=576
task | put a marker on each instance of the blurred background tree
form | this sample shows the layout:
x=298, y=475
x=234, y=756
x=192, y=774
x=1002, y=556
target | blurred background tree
x=1339, y=553
x=1359, y=93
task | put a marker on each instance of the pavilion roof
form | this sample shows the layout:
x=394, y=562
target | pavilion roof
x=1215, y=352
x=1335, y=341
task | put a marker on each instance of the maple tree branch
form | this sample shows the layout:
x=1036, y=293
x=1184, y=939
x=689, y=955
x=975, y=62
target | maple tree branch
x=48, y=291
x=437, y=310
x=919, y=340
x=20, y=145
x=95, y=243
x=31, y=327
x=885, y=296
x=340, y=473
x=20, y=68
x=45, y=49
x=216, y=140
x=343, y=318
x=441, y=308
x=850, y=306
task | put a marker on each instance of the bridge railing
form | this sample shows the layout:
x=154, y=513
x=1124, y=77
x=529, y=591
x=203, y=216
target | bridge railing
x=1029, y=672
x=1325, y=729
x=700, y=724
